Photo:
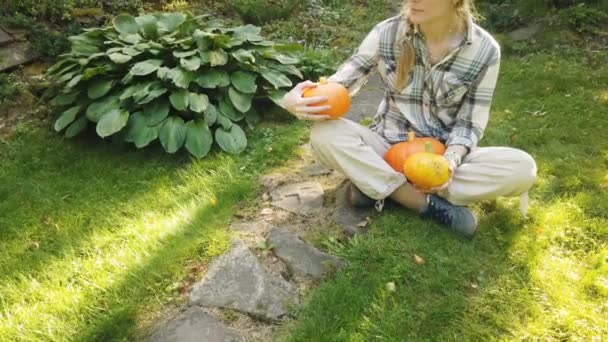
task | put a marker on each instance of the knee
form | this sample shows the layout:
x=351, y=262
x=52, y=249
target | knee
x=323, y=133
x=524, y=171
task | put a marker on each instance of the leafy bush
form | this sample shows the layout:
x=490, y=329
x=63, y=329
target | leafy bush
x=584, y=19
x=59, y=10
x=7, y=88
x=261, y=11
x=172, y=77
x=318, y=63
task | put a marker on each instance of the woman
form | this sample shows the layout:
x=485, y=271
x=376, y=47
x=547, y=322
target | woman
x=439, y=70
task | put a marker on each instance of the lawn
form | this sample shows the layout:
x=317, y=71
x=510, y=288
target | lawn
x=545, y=277
x=97, y=238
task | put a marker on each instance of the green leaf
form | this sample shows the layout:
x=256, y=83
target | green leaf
x=223, y=121
x=212, y=79
x=289, y=48
x=276, y=96
x=112, y=122
x=163, y=73
x=228, y=110
x=99, y=88
x=76, y=127
x=243, y=56
x=173, y=134
x=65, y=99
x=146, y=67
x=97, y=109
x=155, y=112
x=277, y=79
x=198, y=138
x=119, y=58
x=211, y=114
x=289, y=69
x=217, y=57
x=66, y=118
x=233, y=140
x=168, y=22
x=192, y=63
x=241, y=101
x=252, y=117
x=130, y=38
x=198, y=102
x=125, y=24
x=244, y=81
x=131, y=51
x=180, y=77
x=180, y=99
x=139, y=132
x=224, y=79
x=74, y=81
x=247, y=32
x=184, y=54
x=147, y=24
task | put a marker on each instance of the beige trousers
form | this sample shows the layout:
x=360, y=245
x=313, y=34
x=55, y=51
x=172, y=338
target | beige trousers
x=484, y=174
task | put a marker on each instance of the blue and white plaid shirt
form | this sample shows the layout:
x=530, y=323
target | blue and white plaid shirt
x=449, y=100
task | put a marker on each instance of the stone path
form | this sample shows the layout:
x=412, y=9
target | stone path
x=269, y=264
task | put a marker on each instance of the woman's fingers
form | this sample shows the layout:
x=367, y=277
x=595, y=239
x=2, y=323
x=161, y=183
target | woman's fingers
x=307, y=109
x=312, y=117
x=311, y=100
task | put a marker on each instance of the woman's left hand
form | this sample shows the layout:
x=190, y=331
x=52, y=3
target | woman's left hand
x=442, y=189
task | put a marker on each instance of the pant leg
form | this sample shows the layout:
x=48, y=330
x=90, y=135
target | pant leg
x=490, y=172
x=357, y=152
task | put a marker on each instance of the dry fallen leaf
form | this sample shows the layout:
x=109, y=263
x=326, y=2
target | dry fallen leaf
x=474, y=285
x=213, y=201
x=418, y=260
x=266, y=211
x=605, y=182
x=362, y=224
x=538, y=230
x=269, y=149
x=390, y=287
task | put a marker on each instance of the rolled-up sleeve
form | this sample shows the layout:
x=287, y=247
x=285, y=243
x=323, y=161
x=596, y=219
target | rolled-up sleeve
x=474, y=113
x=355, y=71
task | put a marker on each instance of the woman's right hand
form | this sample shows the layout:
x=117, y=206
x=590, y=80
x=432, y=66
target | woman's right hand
x=300, y=107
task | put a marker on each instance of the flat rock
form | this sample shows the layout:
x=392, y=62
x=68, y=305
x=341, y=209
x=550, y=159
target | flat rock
x=366, y=103
x=237, y=280
x=15, y=54
x=349, y=218
x=249, y=226
x=300, y=258
x=315, y=169
x=194, y=325
x=300, y=198
x=524, y=33
x=5, y=38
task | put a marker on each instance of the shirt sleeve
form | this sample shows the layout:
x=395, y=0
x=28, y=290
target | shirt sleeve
x=355, y=71
x=473, y=116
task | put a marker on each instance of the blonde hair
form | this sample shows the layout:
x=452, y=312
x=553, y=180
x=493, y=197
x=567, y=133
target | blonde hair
x=464, y=10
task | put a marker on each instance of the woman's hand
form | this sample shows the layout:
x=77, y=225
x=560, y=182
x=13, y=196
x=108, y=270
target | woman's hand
x=300, y=107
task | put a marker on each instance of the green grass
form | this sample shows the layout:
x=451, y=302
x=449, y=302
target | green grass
x=544, y=278
x=96, y=238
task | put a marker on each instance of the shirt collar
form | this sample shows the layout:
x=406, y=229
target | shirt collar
x=412, y=29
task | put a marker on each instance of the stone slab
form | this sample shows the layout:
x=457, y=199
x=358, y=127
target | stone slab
x=194, y=325
x=237, y=280
x=302, y=259
x=304, y=198
x=5, y=38
x=15, y=54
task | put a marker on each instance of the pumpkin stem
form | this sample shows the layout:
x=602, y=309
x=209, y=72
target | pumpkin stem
x=411, y=135
x=428, y=146
x=322, y=80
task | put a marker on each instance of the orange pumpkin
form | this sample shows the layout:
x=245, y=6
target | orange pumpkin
x=426, y=170
x=337, y=98
x=398, y=153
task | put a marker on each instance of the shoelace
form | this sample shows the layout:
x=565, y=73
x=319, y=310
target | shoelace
x=441, y=214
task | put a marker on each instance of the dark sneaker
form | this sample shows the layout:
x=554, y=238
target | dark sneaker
x=356, y=198
x=456, y=218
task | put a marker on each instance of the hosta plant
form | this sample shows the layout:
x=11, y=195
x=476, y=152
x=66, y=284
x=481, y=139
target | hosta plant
x=185, y=80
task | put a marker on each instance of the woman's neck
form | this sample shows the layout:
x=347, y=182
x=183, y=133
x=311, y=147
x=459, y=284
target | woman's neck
x=438, y=29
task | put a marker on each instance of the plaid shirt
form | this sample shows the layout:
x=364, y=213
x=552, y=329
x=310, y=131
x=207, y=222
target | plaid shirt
x=449, y=100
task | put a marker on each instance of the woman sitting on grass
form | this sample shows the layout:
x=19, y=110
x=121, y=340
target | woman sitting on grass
x=439, y=70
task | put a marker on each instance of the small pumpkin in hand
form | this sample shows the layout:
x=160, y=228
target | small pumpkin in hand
x=426, y=170
x=398, y=153
x=337, y=98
